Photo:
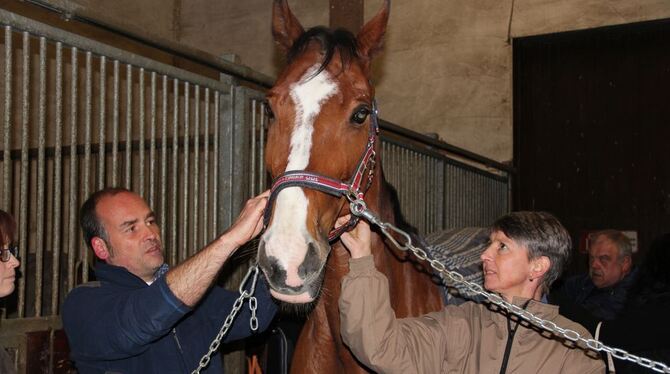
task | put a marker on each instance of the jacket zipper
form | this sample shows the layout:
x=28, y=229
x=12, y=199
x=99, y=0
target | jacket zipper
x=181, y=351
x=176, y=339
x=511, y=331
x=508, y=349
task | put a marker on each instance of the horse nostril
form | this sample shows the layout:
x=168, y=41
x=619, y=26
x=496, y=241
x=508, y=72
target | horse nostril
x=311, y=263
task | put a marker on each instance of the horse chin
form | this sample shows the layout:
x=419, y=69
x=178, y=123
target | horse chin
x=302, y=298
x=300, y=303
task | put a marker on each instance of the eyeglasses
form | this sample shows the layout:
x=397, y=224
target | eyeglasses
x=5, y=253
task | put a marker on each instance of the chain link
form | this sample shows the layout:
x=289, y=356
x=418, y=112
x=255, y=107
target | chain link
x=359, y=208
x=253, y=322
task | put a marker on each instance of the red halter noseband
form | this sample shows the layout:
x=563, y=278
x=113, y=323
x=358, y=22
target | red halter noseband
x=352, y=190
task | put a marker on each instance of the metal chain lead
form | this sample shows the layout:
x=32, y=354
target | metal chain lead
x=359, y=208
x=244, y=294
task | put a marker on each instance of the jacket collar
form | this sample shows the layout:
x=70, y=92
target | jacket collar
x=500, y=315
x=118, y=275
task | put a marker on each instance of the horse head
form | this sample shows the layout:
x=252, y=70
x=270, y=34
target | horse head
x=321, y=123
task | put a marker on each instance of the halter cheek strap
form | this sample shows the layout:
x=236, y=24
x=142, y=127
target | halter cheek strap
x=354, y=189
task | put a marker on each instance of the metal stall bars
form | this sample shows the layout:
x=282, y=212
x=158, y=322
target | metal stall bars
x=441, y=186
x=79, y=116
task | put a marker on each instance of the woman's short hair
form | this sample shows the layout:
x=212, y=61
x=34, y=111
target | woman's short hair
x=543, y=235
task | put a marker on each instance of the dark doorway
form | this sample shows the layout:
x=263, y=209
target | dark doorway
x=592, y=129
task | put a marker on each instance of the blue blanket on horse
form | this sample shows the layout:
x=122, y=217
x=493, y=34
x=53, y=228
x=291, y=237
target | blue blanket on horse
x=460, y=250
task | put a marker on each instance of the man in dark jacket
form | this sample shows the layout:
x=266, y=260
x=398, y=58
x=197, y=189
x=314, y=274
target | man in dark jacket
x=604, y=290
x=140, y=317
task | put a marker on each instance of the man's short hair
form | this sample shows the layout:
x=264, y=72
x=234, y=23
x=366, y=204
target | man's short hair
x=88, y=219
x=543, y=235
x=621, y=241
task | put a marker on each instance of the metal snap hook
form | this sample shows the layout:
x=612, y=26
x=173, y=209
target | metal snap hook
x=252, y=270
x=358, y=207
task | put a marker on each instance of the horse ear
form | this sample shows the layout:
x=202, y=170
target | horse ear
x=285, y=27
x=370, y=37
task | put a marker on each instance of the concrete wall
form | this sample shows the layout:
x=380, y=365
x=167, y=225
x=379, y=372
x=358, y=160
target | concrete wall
x=447, y=65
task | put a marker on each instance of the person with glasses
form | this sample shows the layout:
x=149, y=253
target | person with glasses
x=8, y=254
x=8, y=265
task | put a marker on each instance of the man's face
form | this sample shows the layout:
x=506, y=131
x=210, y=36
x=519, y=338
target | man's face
x=132, y=233
x=605, y=267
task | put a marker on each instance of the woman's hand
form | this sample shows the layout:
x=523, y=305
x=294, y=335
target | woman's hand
x=356, y=241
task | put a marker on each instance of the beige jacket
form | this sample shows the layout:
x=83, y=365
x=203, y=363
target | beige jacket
x=470, y=338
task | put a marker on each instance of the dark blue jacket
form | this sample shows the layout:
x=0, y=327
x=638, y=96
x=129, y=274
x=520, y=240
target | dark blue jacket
x=602, y=303
x=119, y=324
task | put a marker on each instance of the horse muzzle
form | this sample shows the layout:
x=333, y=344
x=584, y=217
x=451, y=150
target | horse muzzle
x=294, y=277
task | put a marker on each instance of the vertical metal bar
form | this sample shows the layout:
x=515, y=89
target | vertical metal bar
x=447, y=201
x=41, y=180
x=405, y=186
x=262, y=179
x=437, y=195
x=433, y=188
x=88, y=112
x=141, y=125
x=58, y=159
x=420, y=193
x=205, y=183
x=413, y=201
x=115, y=126
x=215, y=176
x=72, y=242
x=252, y=174
x=175, y=174
x=129, y=122
x=425, y=195
x=196, y=166
x=101, y=125
x=412, y=165
x=152, y=141
x=185, y=171
x=164, y=139
x=25, y=166
x=7, y=155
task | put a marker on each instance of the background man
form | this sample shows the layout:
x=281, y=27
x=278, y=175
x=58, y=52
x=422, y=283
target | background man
x=603, y=291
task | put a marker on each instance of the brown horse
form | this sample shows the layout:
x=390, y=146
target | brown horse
x=321, y=121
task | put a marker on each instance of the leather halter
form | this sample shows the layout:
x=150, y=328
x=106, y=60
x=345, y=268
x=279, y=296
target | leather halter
x=354, y=189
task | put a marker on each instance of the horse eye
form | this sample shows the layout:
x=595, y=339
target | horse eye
x=269, y=114
x=360, y=115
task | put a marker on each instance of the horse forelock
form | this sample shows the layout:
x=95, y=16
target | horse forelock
x=329, y=41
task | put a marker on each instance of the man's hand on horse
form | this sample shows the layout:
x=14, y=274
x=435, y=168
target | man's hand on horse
x=356, y=241
x=250, y=221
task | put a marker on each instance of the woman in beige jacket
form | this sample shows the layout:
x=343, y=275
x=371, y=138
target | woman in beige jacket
x=527, y=253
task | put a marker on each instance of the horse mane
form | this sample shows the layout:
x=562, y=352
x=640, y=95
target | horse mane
x=330, y=41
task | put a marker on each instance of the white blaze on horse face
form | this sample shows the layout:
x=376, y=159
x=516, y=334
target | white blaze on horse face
x=287, y=237
x=308, y=95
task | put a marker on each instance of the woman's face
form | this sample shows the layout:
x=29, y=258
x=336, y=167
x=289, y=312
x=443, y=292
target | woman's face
x=7, y=272
x=506, y=267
